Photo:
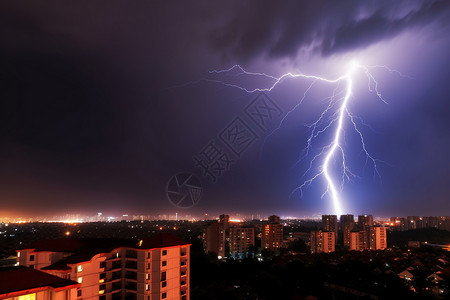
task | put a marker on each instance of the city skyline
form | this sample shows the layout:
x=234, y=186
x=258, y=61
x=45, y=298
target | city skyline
x=109, y=112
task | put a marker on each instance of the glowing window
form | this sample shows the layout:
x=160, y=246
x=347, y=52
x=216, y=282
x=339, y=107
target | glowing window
x=80, y=279
x=80, y=268
x=27, y=297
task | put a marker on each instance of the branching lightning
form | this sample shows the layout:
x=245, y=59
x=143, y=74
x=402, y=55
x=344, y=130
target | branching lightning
x=340, y=114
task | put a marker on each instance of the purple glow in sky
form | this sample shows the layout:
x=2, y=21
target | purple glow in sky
x=90, y=119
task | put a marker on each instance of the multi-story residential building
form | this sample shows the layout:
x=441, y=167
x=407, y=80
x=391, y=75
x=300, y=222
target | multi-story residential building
x=358, y=241
x=330, y=223
x=322, y=241
x=242, y=241
x=272, y=234
x=214, y=239
x=154, y=268
x=365, y=220
x=370, y=238
x=20, y=283
x=347, y=223
x=378, y=238
x=226, y=238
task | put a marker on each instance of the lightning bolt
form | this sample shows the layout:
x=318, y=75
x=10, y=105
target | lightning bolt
x=337, y=107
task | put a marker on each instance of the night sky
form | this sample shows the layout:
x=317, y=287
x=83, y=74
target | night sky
x=102, y=102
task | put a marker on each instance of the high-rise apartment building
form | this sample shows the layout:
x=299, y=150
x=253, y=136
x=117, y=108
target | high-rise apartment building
x=378, y=238
x=242, y=241
x=330, y=223
x=225, y=238
x=272, y=234
x=347, y=223
x=322, y=241
x=154, y=268
x=215, y=239
x=365, y=220
x=370, y=238
x=358, y=240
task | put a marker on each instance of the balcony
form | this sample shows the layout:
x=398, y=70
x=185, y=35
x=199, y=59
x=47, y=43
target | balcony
x=131, y=286
x=115, y=276
x=114, y=266
x=131, y=275
x=116, y=286
x=131, y=265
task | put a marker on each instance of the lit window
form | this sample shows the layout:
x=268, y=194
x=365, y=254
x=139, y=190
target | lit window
x=147, y=276
x=80, y=279
x=18, y=254
x=147, y=287
x=27, y=297
x=80, y=268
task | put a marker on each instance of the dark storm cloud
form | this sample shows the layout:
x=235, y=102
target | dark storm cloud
x=325, y=27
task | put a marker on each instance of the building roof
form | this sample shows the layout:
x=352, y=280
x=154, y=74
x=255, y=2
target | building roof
x=16, y=279
x=162, y=240
x=83, y=250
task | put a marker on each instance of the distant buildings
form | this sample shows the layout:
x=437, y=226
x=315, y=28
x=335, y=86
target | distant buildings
x=416, y=222
x=358, y=237
x=323, y=241
x=226, y=238
x=272, y=234
x=347, y=223
x=106, y=269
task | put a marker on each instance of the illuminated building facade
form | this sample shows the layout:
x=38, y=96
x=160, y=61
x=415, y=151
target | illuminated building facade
x=155, y=268
x=371, y=238
x=20, y=283
x=214, y=239
x=242, y=241
x=330, y=224
x=347, y=223
x=378, y=238
x=323, y=241
x=272, y=234
x=365, y=220
x=215, y=236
